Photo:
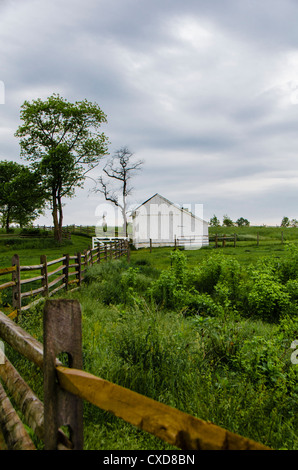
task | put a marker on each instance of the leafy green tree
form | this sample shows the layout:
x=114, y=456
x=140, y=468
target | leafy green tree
x=242, y=222
x=214, y=221
x=285, y=222
x=227, y=221
x=63, y=142
x=22, y=197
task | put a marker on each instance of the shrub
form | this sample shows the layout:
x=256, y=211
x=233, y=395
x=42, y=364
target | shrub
x=287, y=269
x=267, y=298
x=34, y=232
x=194, y=303
x=208, y=274
x=165, y=290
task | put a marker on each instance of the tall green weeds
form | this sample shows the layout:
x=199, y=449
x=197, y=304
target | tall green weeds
x=212, y=340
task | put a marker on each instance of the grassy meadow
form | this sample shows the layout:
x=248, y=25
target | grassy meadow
x=252, y=244
x=29, y=249
x=206, y=331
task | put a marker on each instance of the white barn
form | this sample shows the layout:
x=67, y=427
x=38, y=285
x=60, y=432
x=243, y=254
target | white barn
x=165, y=224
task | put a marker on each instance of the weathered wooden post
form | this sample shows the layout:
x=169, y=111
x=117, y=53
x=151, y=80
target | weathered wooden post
x=150, y=245
x=79, y=268
x=16, y=290
x=62, y=334
x=98, y=253
x=44, y=274
x=66, y=270
x=85, y=259
x=16, y=436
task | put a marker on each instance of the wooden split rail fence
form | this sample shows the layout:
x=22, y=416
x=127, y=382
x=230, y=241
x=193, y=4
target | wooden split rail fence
x=66, y=386
x=48, y=277
x=234, y=238
x=224, y=239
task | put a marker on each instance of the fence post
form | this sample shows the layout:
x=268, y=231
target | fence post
x=44, y=273
x=66, y=270
x=86, y=259
x=62, y=334
x=150, y=245
x=79, y=269
x=98, y=253
x=16, y=290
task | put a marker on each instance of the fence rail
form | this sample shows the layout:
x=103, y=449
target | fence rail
x=48, y=277
x=65, y=388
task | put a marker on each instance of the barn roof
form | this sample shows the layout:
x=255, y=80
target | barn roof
x=170, y=203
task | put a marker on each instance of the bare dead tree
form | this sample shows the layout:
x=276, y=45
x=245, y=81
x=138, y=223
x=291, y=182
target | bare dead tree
x=121, y=168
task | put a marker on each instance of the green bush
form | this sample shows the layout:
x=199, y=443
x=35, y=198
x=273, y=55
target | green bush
x=267, y=298
x=35, y=232
x=287, y=268
x=208, y=273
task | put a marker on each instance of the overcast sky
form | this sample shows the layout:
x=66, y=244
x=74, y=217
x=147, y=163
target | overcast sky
x=204, y=91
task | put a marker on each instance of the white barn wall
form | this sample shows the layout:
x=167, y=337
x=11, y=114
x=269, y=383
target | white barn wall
x=161, y=221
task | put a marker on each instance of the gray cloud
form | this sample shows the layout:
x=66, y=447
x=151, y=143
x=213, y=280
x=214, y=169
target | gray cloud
x=205, y=92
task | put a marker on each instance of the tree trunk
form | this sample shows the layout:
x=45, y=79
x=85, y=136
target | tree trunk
x=7, y=220
x=60, y=216
x=56, y=221
x=124, y=221
x=124, y=212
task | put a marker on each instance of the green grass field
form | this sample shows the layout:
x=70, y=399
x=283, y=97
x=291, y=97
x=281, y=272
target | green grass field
x=29, y=250
x=248, y=248
x=210, y=335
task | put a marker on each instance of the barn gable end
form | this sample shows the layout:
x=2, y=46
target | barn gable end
x=163, y=222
